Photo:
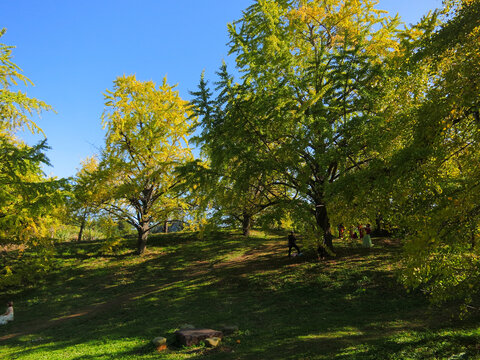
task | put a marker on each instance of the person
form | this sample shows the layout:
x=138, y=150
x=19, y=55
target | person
x=361, y=232
x=292, y=243
x=341, y=230
x=353, y=233
x=8, y=316
x=367, y=240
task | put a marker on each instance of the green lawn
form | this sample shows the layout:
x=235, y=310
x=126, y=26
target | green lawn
x=110, y=307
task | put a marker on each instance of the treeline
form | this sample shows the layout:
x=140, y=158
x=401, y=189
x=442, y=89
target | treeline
x=338, y=115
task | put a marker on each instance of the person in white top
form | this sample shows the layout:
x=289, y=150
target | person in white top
x=8, y=316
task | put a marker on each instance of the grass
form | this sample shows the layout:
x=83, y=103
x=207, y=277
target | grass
x=111, y=307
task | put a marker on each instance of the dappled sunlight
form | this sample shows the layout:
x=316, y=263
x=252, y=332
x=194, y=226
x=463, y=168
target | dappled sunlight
x=345, y=332
x=332, y=129
x=285, y=307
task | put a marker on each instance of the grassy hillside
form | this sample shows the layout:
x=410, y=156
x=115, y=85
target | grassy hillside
x=110, y=307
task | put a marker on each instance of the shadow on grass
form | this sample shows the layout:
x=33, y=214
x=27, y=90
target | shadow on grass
x=348, y=307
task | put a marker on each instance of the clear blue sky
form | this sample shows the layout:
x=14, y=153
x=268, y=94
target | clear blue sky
x=73, y=50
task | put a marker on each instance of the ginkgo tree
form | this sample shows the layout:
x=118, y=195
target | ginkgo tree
x=146, y=140
x=16, y=107
x=425, y=178
x=27, y=197
x=436, y=175
x=83, y=202
x=312, y=73
x=240, y=181
x=30, y=203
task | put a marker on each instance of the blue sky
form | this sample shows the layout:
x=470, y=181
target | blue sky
x=73, y=50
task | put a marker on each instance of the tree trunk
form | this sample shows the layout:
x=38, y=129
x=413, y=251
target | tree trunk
x=472, y=237
x=378, y=223
x=323, y=222
x=165, y=227
x=82, y=227
x=246, y=224
x=142, y=238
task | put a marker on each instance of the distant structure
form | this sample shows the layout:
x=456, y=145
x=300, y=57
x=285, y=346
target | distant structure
x=169, y=226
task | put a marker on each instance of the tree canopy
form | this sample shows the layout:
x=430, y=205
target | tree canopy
x=336, y=115
x=29, y=201
x=147, y=130
x=310, y=93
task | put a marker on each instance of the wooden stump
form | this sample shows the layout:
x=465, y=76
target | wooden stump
x=194, y=336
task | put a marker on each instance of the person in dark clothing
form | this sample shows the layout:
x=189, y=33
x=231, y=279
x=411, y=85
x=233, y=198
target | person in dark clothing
x=353, y=233
x=292, y=243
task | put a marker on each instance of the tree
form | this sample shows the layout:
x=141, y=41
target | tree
x=369, y=192
x=26, y=196
x=239, y=181
x=29, y=201
x=83, y=201
x=147, y=129
x=16, y=107
x=434, y=175
x=314, y=73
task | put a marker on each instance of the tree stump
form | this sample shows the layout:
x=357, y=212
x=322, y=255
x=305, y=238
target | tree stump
x=191, y=337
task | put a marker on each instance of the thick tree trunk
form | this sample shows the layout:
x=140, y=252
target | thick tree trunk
x=323, y=222
x=82, y=227
x=246, y=224
x=165, y=226
x=142, y=238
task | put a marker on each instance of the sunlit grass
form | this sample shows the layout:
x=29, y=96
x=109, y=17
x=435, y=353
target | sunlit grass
x=337, y=334
x=110, y=307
